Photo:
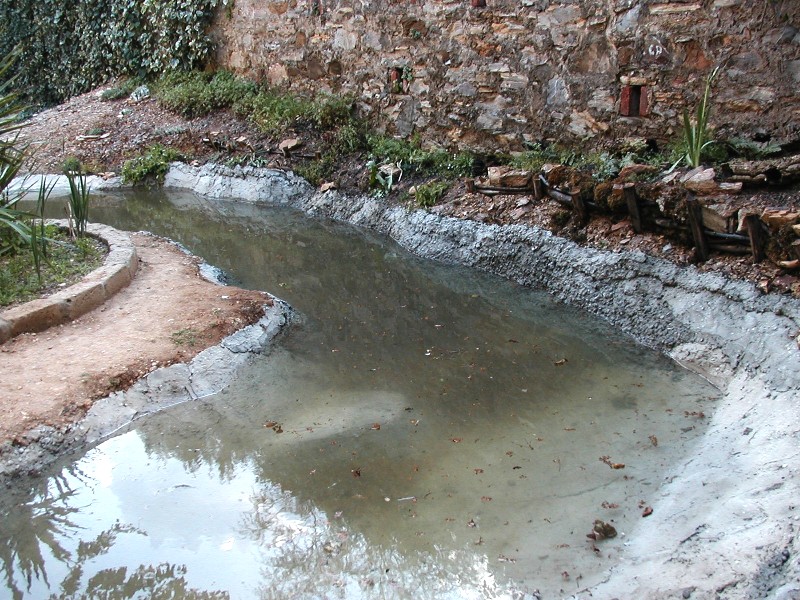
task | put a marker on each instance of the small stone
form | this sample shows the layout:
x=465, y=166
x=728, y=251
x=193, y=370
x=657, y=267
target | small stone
x=290, y=144
x=328, y=185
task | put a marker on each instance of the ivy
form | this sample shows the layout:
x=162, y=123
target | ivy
x=68, y=47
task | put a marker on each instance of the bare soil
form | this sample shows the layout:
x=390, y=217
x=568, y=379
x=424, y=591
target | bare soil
x=167, y=314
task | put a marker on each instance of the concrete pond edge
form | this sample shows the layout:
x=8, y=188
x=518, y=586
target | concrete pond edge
x=725, y=519
x=118, y=270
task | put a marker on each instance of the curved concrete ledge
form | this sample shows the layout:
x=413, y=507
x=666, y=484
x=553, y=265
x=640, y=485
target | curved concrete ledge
x=118, y=270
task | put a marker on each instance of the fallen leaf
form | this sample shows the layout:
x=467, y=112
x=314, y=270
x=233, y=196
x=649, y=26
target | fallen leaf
x=471, y=523
x=653, y=440
x=456, y=440
x=647, y=511
x=558, y=363
x=414, y=422
x=270, y=424
x=486, y=498
x=376, y=426
x=617, y=465
x=478, y=471
x=356, y=472
x=509, y=453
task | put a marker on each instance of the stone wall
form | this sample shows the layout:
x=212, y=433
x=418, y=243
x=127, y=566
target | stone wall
x=496, y=76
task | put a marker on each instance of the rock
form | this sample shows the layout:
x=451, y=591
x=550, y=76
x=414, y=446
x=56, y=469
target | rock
x=140, y=93
x=778, y=218
x=796, y=229
x=289, y=145
x=701, y=182
x=507, y=177
x=328, y=185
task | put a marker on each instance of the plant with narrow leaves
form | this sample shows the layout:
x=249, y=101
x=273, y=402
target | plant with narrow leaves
x=78, y=202
x=696, y=135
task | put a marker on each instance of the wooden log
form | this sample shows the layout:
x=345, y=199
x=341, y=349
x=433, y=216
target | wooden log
x=726, y=237
x=560, y=197
x=758, y=238
x=696, y=224
x=503, y=190
x=774, y=171
x=579, y=206
x=538, y=188
x=729, y=248
x=632, y=200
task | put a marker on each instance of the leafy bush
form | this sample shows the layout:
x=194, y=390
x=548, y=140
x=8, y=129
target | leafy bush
x=273, y=110
x=194, y=94
x=69, y=48
x=415, y=159
x=428, y=194
x=152, y=165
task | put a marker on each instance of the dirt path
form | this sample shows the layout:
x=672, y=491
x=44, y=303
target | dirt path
x=167, y=314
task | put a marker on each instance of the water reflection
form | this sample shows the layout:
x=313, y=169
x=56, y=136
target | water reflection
x=440, y=436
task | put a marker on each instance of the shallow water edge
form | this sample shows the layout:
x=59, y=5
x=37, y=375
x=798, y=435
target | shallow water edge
x=728, y=511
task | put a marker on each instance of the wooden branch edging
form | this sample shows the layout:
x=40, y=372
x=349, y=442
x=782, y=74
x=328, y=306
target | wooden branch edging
x=704, y=239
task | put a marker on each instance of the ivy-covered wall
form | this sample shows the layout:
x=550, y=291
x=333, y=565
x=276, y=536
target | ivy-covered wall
x=67, y=47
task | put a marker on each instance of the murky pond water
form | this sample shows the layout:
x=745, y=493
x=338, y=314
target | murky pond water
x=426, y=432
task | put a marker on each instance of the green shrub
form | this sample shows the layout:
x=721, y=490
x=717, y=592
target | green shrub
x=195, y=94
x=273, y=111
x=414, y=159
x=152, y=165
x=428, y=194
x=123, y=90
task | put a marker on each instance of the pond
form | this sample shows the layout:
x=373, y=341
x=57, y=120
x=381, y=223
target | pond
x=426, y=431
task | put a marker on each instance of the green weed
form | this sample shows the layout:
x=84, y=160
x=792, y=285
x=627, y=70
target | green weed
x=429, y=194
x=152, y=165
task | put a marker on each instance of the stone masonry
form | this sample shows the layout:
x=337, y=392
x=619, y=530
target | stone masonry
x=492, y=74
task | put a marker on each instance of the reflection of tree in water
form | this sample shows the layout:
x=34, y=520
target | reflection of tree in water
x=36, y=526
x=305, y=555
x=164, y=581
x=39, y=532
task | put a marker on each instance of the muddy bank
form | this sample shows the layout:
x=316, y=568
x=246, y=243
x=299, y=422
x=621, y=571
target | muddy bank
x=725, y=524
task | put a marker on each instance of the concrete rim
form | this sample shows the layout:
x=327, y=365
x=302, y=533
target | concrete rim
x=118, y=270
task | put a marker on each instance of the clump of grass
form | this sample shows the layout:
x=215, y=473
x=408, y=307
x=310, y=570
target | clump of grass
x=185, y=337
x=123, y=90
x=429, y=194
x=150, y=166
x=66, y=261
x=417, y=160
x=696, y=134
x=195, y=94
x=317, y=171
